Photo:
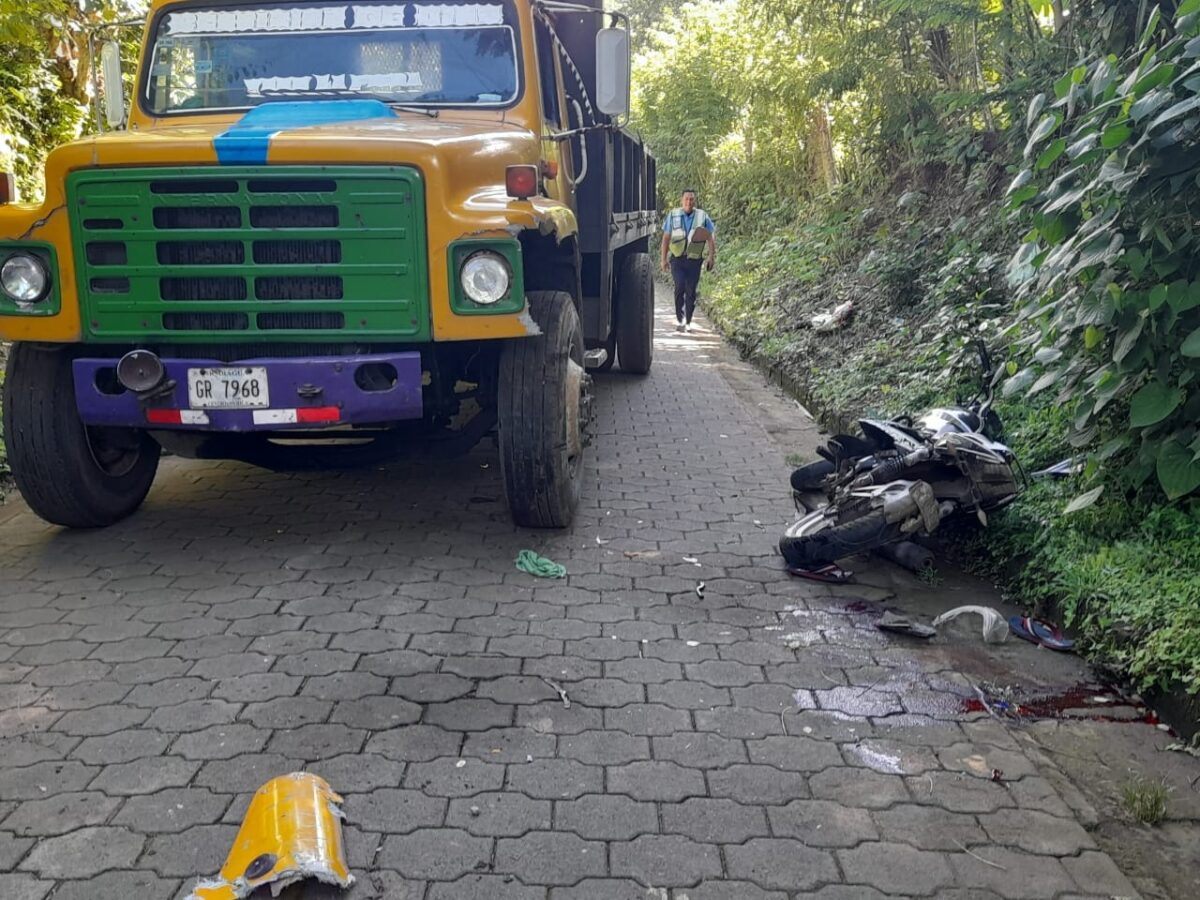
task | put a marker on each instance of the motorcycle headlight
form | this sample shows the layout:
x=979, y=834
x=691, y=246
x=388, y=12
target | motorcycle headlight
x=485, y=277
x=24, y=278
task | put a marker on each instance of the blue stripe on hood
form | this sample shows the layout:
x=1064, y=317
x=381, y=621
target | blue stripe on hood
x=247, y=141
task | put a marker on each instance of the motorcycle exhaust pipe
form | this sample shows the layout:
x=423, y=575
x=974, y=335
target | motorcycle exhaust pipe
x=908, y=555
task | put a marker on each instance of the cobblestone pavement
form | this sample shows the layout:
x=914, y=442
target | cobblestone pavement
x=756, y=738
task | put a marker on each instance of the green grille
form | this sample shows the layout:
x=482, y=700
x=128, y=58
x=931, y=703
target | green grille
x=251, y=253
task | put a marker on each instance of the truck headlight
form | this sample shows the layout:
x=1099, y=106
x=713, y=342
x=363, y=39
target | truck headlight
x=486, y=277
x=24, y=278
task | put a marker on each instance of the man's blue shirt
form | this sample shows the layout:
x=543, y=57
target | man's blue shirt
x=686, y=220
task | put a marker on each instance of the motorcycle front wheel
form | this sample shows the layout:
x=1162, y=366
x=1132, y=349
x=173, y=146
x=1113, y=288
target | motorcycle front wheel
x=810, y=544
x=811, y=477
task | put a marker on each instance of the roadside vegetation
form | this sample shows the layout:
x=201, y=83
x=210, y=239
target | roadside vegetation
x=1025, y=173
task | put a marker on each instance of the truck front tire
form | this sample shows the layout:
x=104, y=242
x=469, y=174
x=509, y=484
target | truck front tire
x=635, y=314
x=69, y=474
x=544, y=405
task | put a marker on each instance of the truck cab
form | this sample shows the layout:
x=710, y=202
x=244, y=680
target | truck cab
x=345, y=231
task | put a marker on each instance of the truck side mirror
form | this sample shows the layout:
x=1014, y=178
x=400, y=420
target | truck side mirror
x=114, y=94
x=613, y=64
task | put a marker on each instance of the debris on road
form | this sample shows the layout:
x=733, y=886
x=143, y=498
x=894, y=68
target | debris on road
x=561, y=691
x=539, y=566
x=995, y=629
x=898, y=624
x=834, y=318
x=700, y=590
x=291, y=831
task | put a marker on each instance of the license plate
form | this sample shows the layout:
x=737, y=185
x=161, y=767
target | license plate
x=228, y=387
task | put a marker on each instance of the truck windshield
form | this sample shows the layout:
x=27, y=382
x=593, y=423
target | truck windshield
x=428, y=54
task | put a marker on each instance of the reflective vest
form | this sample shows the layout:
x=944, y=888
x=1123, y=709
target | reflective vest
x=682, y=243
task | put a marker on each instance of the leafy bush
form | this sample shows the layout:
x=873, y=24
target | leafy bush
x=1110, y=271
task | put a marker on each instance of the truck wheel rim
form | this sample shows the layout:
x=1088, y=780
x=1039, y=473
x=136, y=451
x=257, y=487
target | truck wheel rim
x=114, y=450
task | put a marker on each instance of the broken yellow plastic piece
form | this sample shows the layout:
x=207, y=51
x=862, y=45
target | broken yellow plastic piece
x=292, y=831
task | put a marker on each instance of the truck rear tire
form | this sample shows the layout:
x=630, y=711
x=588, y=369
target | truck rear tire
x=70, y=474
x=635, y=314
x=544, y=401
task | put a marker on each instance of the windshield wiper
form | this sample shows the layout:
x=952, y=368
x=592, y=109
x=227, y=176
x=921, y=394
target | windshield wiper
x=346, y=92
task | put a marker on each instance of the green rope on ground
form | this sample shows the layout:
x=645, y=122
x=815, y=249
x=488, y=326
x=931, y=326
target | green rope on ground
x=528, y=561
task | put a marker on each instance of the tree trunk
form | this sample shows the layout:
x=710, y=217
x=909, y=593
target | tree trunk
x=1060, y=18
x=824, y=167
x=941, y=56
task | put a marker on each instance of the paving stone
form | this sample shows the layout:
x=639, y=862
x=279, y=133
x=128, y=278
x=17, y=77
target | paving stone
x=1096, y=873
x=688, y=695
x=758, y=784
x=245, y=773
x=604, y=748
x=317, y=662
x=436, y=854
x=446, y=778
x=345, y=686
x=1036, y=832
x=647, y=719
x=958, y=793
x=714, y=821
x=547, y=857
x=743, y=890
x=820, y=823
x=44, y=779
x=313, y=742
x=699, y=750
x=1011, y=873
x=730, y=721
x=123, y=747
x=858, y=787
x=508, y=745
x=193, y=715
x=499, y=814
x=928, y=827
x=468, y=714
x=485, y=887
x=116, y=885
x=665, y=860
x=555, y=779
x=606, y=817
x=168, y=692
x=199, y=849
x=84, y=853
x=359, y=772
x=554, y=718
x=375, y=713
x=81, y=696
x=61, y=813
x=21, y=886
x=602, y=889
x=414, y=743
x=394, y=811
x=171, y=810
x=778, y=863
x=286, y=713
x=220, y=742
x=666, y=782
x=258, y=687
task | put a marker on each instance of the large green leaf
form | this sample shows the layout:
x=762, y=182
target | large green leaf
x=1035, y=106
x=1084, y=500
x=1191, y=345
x=1187, y=7
x=1152, y=403
x=1184, y=299
x=1182, y=108
x=1115, y=135
x=1052, y=152
x=1044, y=129
x=1178, y=469
x=1150, y=103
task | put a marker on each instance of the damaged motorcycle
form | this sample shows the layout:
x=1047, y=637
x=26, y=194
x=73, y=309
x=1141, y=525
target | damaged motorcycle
x=902, y=478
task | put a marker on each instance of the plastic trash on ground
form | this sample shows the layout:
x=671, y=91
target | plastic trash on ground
x=291, y=831
x=834, y=319
x=995, y=627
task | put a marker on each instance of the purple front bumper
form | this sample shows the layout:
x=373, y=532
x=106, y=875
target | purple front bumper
x=305, y=393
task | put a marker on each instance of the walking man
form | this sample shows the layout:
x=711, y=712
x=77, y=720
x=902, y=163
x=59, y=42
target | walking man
x=687, y=230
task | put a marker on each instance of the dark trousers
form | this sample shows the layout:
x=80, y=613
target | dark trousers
x=686, y=273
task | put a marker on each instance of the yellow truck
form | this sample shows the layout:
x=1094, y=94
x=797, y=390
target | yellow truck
x=381, y=225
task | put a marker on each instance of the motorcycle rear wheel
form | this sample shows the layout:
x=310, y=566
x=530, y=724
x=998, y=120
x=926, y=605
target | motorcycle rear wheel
x=834, y=542
x=811, y=476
